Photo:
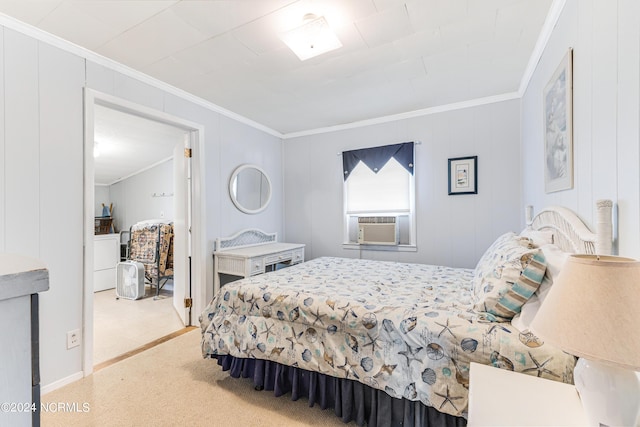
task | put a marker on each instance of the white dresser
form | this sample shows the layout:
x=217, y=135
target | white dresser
x=106, y=255
x=252, y=252
x=21, y=278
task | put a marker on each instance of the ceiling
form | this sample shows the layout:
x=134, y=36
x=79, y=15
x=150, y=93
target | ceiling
x=398, y=56
x=130, y=144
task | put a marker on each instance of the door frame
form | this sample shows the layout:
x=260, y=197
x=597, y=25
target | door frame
x=198, y=248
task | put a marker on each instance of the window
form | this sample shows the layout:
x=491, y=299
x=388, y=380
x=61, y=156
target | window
x=385, y=191
x=379, y=196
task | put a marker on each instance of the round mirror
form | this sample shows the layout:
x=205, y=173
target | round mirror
x=250, y=189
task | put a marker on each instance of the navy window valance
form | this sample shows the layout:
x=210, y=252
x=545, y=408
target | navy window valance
x=376, y=157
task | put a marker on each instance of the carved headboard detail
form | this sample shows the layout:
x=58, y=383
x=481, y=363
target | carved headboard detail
x=571, y=234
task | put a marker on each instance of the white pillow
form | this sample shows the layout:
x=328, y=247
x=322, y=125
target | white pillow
x=538, y=237
x=555, y=258
x=523, y=319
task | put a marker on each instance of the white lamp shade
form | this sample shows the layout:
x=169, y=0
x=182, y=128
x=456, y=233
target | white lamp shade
x=593, y=310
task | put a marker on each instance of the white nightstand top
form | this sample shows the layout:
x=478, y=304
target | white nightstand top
x=498, y=397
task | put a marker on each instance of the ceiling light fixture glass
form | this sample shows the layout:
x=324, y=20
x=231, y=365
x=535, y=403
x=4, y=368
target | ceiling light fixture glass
x=312, y=38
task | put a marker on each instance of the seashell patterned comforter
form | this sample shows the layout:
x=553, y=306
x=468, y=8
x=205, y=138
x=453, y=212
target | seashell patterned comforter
x=407, y=329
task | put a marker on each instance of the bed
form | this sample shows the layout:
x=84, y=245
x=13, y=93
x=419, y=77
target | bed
x=151, y=243
x=387, y=343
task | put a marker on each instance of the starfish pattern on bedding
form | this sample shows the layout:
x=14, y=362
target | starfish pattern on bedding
x=448, y=398
x=410, y=354
x=294, y=338
x=318, y=317
x=267, y=329
x=234, y=309
x=254, y=303
x=348, y=368
x=373, y=342
x=540, y=367
x=447, y=328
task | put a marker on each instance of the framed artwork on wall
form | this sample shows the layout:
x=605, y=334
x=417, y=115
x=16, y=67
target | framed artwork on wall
x=558, y=128
x=463, y=175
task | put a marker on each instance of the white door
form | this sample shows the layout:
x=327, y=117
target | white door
x=182, y=231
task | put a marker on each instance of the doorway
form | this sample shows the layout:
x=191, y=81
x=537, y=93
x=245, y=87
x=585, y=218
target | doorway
x=134, y=177
x=182, y=140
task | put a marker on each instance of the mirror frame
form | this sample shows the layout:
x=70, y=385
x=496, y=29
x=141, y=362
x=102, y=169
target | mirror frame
x=237, y=204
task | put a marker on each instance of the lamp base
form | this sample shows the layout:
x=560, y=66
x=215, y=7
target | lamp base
x=610, y=395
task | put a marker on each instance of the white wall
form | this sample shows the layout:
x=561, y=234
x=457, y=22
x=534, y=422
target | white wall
x=605, y=37
x=451, y=230
x=102, y=195
x=133, y=199
x=41, y=187
x=241, y=144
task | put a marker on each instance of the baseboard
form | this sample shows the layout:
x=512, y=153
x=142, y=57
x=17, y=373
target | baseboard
x=61, y=383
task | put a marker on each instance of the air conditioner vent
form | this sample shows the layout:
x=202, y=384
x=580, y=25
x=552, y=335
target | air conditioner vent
x=377, y=230
x=376, y=220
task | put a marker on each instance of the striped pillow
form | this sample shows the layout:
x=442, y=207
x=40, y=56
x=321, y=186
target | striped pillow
x=507, y=247
x=514, y=281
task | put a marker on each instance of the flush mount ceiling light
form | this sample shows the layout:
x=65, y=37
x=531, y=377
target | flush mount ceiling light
x=312, y=38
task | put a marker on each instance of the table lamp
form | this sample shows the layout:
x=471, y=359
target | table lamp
x=593, y=311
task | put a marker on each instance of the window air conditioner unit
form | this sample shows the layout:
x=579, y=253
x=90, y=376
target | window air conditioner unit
x=377, y=230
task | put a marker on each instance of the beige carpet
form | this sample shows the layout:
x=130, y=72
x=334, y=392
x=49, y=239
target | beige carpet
x=170, y=385
x=121, y=325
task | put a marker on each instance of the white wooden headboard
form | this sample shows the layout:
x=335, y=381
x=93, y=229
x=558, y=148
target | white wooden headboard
x=570, y=233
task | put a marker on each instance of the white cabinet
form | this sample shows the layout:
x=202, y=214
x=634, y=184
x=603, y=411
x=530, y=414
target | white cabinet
x=106, y=255
x=251, y=260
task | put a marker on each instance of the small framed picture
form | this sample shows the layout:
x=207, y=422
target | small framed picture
x=463, y=175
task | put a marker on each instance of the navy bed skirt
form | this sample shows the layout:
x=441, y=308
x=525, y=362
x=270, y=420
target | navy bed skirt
x=350, y=400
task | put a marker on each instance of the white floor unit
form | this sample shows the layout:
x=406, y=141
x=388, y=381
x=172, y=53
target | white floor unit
x=106, y=255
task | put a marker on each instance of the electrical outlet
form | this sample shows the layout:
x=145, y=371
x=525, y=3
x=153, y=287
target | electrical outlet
x=73, y=338
x=161, y=214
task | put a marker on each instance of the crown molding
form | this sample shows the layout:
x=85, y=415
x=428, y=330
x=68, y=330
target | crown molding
x=408, y=115
x=545, y=34
x=45, y=37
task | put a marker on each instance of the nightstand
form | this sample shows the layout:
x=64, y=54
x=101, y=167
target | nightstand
x=498, y=397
